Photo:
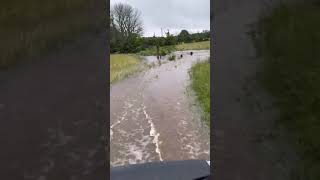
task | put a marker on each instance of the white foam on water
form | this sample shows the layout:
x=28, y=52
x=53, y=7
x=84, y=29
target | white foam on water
x=117, y=122
x=136, y=152
x=153, y=133
x=127, y=105
x=133, y=150
x=145, y=141
x=191, y=141
x=118, y=162
x=111, y=133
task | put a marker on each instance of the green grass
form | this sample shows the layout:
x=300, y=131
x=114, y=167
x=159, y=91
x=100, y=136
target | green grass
x=204, y=45
x=30, y=28
x=152, y=51
x=123, y=65
x=200, y=83
x=289, y=40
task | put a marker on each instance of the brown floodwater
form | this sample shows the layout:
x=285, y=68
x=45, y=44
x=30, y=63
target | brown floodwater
x=154, y=115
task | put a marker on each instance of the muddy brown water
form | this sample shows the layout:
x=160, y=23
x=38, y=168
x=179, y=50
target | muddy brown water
x=154, y=116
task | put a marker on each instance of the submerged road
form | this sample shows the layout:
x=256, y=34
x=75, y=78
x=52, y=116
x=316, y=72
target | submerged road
x=154, y=116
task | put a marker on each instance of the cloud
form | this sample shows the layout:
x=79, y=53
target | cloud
x=175, y=15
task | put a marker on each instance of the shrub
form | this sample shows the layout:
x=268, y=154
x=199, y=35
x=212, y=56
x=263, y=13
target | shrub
x=172, y=57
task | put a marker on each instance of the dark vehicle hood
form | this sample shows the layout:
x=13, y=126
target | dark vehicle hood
x=175, y=170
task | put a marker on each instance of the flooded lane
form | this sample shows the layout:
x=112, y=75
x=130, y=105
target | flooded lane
x=152, y=116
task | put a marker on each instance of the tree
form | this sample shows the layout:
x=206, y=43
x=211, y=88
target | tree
x=170, y=39
x=127, y=20
x=125, y=29
x=184, y=36
x=115, y=43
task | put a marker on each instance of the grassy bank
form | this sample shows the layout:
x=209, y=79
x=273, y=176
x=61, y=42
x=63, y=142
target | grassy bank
x=205, y=45
x=30, y=28
x=200, y=83
x=289, y=40
x=123, y=65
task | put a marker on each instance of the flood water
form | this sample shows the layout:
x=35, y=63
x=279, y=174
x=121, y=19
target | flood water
x=154, y=116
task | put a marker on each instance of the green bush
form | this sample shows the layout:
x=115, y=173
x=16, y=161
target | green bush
x=172, y=57
x=163, y=52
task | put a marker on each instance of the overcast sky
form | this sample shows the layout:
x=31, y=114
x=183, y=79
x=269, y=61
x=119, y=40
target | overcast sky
x=175, y=15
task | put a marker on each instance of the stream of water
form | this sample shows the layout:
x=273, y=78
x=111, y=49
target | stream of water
x=154, y=116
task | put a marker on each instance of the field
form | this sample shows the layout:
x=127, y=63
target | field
x=205, y=45
x=200, y=83
x=123, y=65
x=30, y=28
x=289, y=40
x=193, y=46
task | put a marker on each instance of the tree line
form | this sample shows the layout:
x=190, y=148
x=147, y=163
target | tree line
x=126, y=30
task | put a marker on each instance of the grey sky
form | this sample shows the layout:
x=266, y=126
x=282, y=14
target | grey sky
x=175, y=15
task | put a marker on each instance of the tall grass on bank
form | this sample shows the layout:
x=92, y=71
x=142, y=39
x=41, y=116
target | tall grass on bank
x=289, y=40
x=123, y=65
x=164, y=50
x=200, y=83
x=29, y=28
x=204, y=45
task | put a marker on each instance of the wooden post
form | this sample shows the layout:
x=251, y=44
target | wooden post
x=158, y=56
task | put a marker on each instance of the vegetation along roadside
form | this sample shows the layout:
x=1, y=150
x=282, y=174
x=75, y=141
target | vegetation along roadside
x=123, y=65
x=200, y=83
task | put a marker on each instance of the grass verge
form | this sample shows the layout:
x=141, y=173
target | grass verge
x=289, y=41
x=204, y=45
x=200, y=83
x=123, y=65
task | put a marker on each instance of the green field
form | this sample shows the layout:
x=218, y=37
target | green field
x=123, y=65
x=204, y=45
x=200, y=83
x=193, y=46
x=30, y=28
x=290, y=44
